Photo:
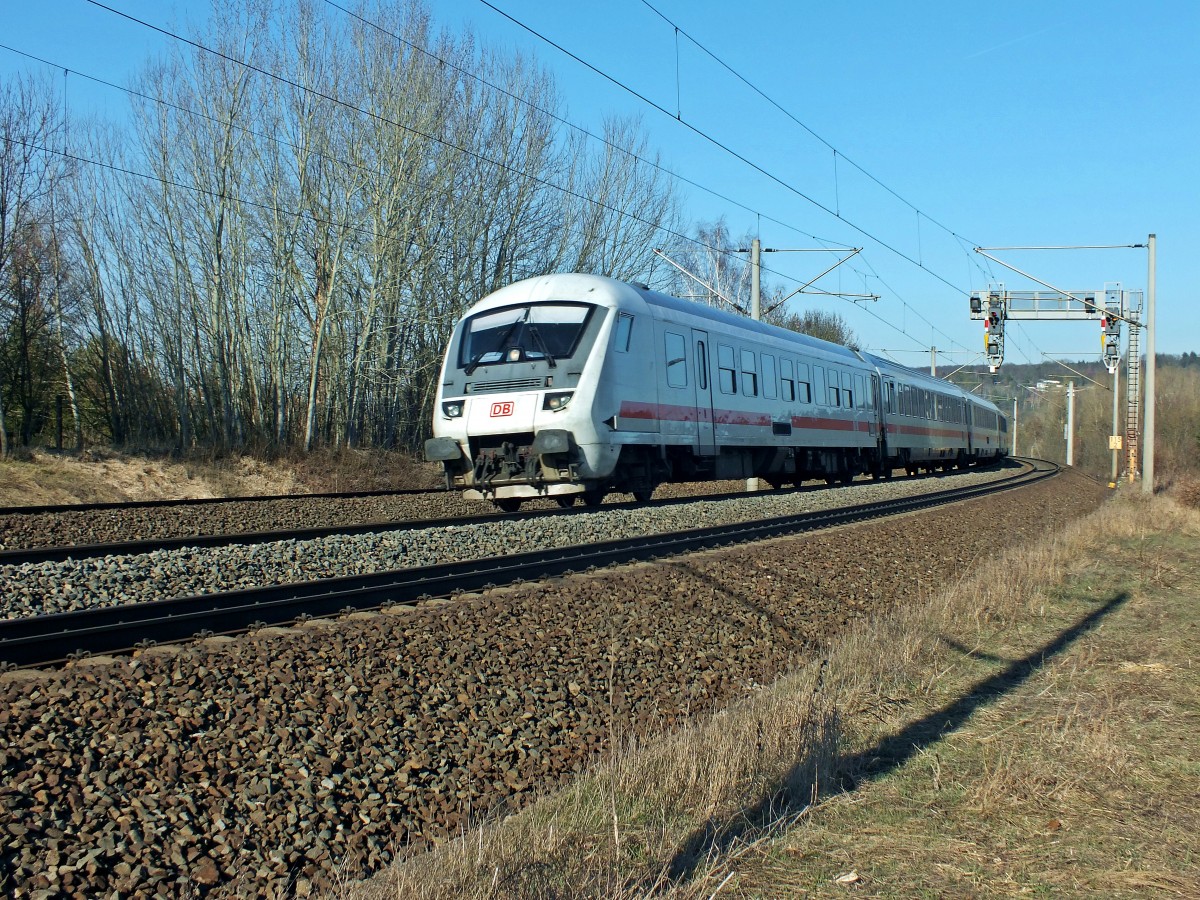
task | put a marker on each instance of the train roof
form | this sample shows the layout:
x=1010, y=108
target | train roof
x=580, y=287
x=742, y=323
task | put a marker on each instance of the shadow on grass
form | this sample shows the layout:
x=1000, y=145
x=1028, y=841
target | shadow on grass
x=779, y=808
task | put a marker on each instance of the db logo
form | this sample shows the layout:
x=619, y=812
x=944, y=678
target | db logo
x=502, y=409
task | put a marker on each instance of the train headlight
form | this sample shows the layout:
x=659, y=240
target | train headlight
x=452, y=409
x=557, y=401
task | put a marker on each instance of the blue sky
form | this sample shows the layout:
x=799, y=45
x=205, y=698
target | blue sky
x=1021, y=123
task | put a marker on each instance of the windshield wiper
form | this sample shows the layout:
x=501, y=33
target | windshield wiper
x=537, y=336
x=474, y=364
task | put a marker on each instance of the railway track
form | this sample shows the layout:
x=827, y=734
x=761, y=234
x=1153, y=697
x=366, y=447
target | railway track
x=124, y=548
x=50, y=639
x=93, y=550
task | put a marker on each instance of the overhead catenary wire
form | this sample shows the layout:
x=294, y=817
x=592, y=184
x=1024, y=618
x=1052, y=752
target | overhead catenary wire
x=836, y=153
x=740, y=157
x=718, y=144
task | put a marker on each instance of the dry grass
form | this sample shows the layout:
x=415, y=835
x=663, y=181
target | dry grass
x=35, y=478
x=1029, y=730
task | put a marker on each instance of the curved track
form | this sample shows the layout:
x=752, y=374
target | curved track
x=54, y=638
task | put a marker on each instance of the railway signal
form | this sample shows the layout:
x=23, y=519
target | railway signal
x=1110, y=340
x=1114, y=305
x=993, y=325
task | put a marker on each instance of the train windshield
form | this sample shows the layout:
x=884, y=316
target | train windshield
x=535, y=331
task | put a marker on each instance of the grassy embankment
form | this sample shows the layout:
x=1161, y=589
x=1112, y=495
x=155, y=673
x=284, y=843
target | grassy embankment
x=1031, y=730
x=39, y=477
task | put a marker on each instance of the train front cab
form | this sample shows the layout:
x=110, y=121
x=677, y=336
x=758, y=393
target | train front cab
x=511, y=416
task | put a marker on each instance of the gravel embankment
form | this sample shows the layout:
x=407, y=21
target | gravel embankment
x=39, y=588
x=276, y=764
x=21, y=531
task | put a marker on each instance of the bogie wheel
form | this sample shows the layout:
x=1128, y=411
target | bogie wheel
x=566, y=502
x=594, y=497
x=508, y=504
x=643, y=495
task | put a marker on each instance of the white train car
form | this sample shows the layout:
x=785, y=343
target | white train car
x=932, y=424
x=570, y=385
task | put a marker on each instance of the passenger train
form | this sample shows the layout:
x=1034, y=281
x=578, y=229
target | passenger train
x=568, y=386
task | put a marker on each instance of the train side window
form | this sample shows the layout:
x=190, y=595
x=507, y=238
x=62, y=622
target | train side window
x=860, y=388
x=725, y=369
x=787, y=380
x=676, y=348
x=834, y=394
x=622, y=332
x=770, y=385
x=891, y=397
x=803, y=385
x=701, y=365
x=749, y=374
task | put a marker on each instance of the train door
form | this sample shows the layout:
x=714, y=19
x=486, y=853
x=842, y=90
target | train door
x=706, y=443
x=887, y=408
x=877, y=402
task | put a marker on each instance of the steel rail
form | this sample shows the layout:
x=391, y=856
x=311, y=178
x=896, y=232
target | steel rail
x=50, y=639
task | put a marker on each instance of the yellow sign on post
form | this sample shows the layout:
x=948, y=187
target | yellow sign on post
x=1115, y=441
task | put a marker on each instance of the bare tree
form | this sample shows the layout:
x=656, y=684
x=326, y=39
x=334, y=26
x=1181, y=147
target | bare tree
x=718, y=270
x=629, y=202
x=820, y=323
x=31, y=123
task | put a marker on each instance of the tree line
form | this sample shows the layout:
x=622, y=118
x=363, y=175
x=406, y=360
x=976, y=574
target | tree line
x=1040, y=391
x=272, y=252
